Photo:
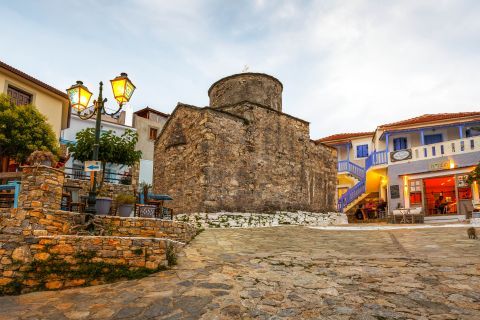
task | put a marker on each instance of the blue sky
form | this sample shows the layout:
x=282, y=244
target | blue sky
x=346, y=66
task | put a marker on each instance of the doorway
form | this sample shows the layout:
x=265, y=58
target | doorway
x=440, y=196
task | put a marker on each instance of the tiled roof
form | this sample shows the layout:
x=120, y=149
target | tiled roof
x=344, y=136
x=430, y=118
x=32, y=79
x=143, y=111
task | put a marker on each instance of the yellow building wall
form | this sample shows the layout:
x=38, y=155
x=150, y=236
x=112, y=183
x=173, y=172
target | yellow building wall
x=52, y=106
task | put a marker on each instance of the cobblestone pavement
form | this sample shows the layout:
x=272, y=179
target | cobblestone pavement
x=288, y=273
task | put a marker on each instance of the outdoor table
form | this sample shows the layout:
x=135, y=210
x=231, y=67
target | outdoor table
x=404, y=212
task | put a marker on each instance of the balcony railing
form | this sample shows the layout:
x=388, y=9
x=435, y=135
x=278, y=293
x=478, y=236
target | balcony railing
x=446, y=148
x=352, y=168
x=352, y=194
x=110, y=176
x=376, y=158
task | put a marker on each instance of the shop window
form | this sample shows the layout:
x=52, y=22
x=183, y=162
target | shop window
x=362, y=151
x=464, y=189
x=18, y=96
x=415, y=192
x=153, y=133
x=399, y=143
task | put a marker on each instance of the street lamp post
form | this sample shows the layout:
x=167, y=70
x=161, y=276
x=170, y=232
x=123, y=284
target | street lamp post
x=79, y=97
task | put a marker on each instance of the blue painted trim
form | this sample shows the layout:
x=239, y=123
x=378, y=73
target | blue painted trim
x=422, y=137
x=460, y=131
x=427, y=128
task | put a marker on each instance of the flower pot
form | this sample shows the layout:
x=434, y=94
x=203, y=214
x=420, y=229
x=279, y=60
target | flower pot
x=103, y=206
x=125, y=210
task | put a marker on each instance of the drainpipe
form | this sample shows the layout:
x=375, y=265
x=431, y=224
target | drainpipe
x=348, y=152
x=460, y=131
x=422, y=137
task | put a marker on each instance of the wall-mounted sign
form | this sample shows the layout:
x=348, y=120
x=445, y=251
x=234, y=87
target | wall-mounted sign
x=401, y=155
x=92, y=166
x=439, y=165
x=394, y=191
x=462, y=181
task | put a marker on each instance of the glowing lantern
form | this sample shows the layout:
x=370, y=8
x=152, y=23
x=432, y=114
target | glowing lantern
x=122, y=88
x=79, y=96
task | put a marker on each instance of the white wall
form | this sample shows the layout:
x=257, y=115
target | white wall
x=77, y=125
x=146, y=171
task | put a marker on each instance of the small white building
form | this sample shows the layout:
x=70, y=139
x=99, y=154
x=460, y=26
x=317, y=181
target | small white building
x=74, y=168
x=149, y=123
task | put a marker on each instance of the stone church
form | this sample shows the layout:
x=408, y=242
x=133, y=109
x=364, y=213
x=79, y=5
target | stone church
x=243, y=154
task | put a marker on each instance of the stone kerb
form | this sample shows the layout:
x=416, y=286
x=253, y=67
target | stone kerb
x=253, y=220
x=41, y=187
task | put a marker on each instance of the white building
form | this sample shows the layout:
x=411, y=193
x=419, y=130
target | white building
x=149, y=123
x=75, y=168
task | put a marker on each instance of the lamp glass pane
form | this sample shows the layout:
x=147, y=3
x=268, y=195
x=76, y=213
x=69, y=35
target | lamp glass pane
x=73, y=95
x=84, y=98
x=129, y=90
x=118, y=87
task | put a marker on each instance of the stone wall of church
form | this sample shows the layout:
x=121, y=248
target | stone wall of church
x=243, y=158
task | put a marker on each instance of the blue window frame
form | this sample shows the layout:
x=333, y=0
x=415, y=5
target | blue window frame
x=433, y=138
x=362, y=151
x=399, y=143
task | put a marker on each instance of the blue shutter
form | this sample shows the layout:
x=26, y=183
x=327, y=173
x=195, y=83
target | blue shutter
x=362, y=151
x=399, y=143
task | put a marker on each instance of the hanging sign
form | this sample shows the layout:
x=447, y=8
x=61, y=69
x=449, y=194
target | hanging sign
x=91, y=166
x=401, y=155
x=439, y=165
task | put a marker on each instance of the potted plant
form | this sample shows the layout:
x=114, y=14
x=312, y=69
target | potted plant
x=125, y=203
x=45, y=158
x=103, y=203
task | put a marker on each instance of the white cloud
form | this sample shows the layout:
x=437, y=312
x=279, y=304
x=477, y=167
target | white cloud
x=345, y=65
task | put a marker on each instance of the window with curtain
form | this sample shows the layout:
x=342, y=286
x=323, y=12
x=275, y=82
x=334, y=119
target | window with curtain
x=399, y=143
x=362, y=151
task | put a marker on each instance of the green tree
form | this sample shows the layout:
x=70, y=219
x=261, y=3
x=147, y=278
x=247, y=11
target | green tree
x=113, y=149
x=474, y=175
x=23, y=129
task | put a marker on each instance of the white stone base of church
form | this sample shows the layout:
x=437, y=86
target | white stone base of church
x=257, y=220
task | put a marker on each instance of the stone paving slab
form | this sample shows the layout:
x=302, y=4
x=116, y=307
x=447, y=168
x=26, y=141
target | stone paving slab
x=288, y=273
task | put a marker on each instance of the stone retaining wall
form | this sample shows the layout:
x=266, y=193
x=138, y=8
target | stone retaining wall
x=148, y=227
x=39, y=249
x=55, y=262
x=249, y=220
x=42, y=187
x=110, y=190
x=42, y=222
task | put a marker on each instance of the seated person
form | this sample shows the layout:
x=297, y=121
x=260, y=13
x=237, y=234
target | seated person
x=359, y=212
x=382, y=206
x=440, y=205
